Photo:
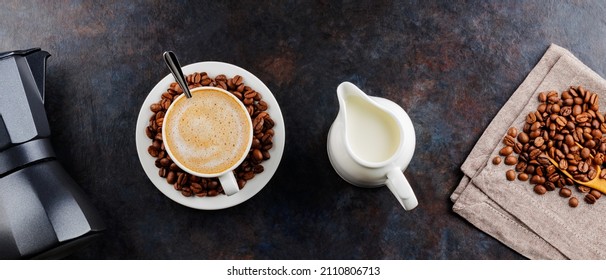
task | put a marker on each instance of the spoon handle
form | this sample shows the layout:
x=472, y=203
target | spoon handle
x=173, y=64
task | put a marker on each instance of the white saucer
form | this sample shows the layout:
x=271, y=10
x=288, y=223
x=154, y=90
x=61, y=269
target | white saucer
x=254, y=185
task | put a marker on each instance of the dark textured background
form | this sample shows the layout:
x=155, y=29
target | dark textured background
x=450, y=65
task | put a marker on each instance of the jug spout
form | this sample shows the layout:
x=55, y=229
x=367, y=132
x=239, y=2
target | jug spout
x=346, y=89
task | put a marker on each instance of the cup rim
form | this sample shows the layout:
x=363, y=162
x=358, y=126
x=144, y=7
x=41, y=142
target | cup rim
x=244, y=154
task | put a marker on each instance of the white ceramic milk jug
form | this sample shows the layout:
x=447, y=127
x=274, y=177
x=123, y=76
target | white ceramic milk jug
x=371, y=142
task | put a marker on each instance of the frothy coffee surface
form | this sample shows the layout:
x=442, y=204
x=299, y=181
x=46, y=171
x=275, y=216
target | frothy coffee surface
x=207, y=133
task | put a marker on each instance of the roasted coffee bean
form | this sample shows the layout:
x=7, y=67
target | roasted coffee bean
x=540, y=189
x=156, y=107
x=174, y=167
x=597, y=194
x=534, y=154
x=543, y=160
x=250, y=94
x=531, y=118
x=589, y=198
x=561, y=121
x=576, y=110
x=582, y=118
x=262, y=105
x=153, y=151
x=266, y=155
x=511, y=160
x=573, y=202
x=505, y=151
x=182, y=178
x=585, y=153
x=539, y=141
x=542, y=97
x=555, y=108
x=517, y=148
x=213, y=184
x=171, y=177
x=563, y=164
x=241, y=183
x=554, y=177
x=512, y=131
x=248, y=175
x=566, y=110
x=521, y=166
x=598, y=159
x=510, y=175
x=267, y=138
x=565, y=192
x=149, y=132
x=258, y=169
x=256, y=143
x=163, y=172
x=550, y=170
x=509, y=140
x=554, y=99
x=540, y=170
x=196, y=188
x=581, y=177
x=165, y=162
x=583, y=167
x=536, y=179
x=257, y=155
x=523, y=137
x=523, y=177
x=549, y=186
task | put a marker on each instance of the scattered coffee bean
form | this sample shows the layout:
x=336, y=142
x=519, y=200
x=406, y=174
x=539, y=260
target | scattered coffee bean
x=573, y=202
x=509, y=140
x=523, y=177
x=565, y=192
x=510, y=175
x=511, y=160
x=523, y=138
x=505, y=151
x=540, y=189
x=496, y=160
x=589, y=198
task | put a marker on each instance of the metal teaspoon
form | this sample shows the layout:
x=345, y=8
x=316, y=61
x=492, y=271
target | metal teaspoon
x=173, y=64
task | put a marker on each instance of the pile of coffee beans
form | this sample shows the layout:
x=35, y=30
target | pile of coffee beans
x=567, y=128
x=188, y=184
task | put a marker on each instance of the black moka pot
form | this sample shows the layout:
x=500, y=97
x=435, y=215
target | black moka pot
x=43, y=212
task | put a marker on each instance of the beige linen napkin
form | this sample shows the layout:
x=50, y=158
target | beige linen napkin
x=538, y=227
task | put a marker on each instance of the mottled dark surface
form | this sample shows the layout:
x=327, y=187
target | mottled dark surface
x=450, y=65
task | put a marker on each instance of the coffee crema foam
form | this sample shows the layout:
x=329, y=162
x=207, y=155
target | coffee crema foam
x=208, y=133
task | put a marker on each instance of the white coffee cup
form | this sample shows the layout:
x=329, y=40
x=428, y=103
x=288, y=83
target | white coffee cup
x=208, y=135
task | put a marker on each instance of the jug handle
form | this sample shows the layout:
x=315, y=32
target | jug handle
x=399, y=186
